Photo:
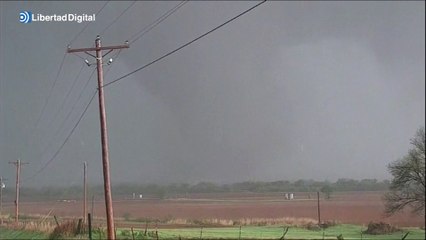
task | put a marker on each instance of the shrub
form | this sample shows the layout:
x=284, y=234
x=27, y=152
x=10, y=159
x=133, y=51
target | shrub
x=64, y=230
x=380, y=228
x=328, y=224
x=126, y=216
x=125, y=233
x=313, y=226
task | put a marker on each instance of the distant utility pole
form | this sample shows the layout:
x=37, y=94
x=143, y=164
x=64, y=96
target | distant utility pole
x=104, y=136
x=319, y=211
x=18, y=165
x=1, y=198
x=85, y=192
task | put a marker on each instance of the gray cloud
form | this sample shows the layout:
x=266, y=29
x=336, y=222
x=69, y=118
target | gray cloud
x=292, y=90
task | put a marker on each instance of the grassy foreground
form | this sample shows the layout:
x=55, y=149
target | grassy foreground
x=273, y=232
x=17, y=234
x=267, y=232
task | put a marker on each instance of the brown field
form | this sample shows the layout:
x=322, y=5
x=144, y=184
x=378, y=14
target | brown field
x=349, y=207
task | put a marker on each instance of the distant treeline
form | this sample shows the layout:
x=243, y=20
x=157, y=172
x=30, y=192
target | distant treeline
x=256, y=187
x=164, y=191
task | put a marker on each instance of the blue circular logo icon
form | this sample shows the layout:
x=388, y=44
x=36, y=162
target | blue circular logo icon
x=25, y=17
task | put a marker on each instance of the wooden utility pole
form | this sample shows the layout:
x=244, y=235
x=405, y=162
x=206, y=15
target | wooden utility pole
x=319, y=212
x=84, y=192
x=104, y=136
x=18, y=165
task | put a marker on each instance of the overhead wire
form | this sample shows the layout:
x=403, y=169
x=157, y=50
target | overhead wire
x=36, y=125
x=55, y=81
x=142, y=32
x=117, y=18
x=183, y=46
x=88, y=23
x=58, y=130
x=33, y=131
x=66, y=139
x=82, y=58
x=65, y=191
x=63, y=122
x=50, y=92
x=67, y=95
x=133, y=72
x=152, y=25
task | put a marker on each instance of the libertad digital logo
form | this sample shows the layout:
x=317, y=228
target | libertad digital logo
x=25, y=17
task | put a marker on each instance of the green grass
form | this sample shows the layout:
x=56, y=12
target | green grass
x=348, y=232
x=18, y=234
x=247, y=232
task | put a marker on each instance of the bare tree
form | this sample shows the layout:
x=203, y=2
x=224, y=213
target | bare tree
x=408, y=184
x=327, y=190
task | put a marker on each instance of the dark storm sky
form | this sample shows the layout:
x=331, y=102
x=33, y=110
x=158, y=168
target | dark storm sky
x=317, y=90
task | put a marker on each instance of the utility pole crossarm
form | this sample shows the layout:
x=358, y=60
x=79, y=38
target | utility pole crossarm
x=97, y=48
x=22, y=163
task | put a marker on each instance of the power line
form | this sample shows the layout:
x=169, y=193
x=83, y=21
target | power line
x=163, y=17
x=67, y=95
x=67, y=117
x=87, y=24
x=56, y=79
x=116, y=19
x=50, y=92
x=66, y=139
x=126, y=75
x=36, y=125
x=58, y=130
x=57, y=76
x=82, y=58
x=60, y=69
x=184, y=45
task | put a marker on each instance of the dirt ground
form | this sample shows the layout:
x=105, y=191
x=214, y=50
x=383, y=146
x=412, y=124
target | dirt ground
x=350, y=207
